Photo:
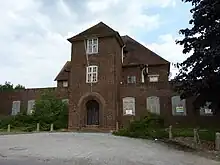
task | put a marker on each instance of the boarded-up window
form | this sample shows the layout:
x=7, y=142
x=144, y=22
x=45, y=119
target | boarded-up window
x=153, y=104
x=65, y=101
x=178, y=106
x=129, y=106
x=206, y=110
x=15, y=107
x=30, y=108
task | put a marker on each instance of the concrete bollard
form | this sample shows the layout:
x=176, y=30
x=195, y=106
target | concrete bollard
x=117, y=126
x=9, y=128
x=217, y=141
x=51, y=128
x=170, y=132
x=38, y=127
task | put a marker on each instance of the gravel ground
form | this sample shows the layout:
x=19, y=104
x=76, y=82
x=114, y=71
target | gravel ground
x=90, y=149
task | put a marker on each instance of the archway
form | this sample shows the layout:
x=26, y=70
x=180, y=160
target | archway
x=92, y=107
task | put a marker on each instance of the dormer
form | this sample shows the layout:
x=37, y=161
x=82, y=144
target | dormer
x=63, y=76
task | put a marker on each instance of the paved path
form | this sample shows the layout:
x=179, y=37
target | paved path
x=89, y=149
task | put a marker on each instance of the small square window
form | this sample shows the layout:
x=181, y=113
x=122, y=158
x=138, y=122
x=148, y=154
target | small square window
x=131, y=79
x=65, y=83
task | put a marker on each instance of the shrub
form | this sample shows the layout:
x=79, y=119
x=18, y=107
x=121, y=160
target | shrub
x=151, y=126
x=47, y=110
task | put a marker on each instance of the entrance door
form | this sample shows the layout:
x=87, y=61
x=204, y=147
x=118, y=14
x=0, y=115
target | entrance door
x=92, y=107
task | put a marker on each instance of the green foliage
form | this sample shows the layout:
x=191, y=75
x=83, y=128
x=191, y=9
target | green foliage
x=150, y=127
x=47, y=110
x=8, y=86
x=199, y=74
x=204, y=134
x=19, y=86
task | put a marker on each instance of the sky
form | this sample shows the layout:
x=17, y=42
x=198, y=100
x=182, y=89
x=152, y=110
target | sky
x=33, y=33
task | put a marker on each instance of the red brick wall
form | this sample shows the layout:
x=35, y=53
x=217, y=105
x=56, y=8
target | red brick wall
x=6, y=98
x=106, y=89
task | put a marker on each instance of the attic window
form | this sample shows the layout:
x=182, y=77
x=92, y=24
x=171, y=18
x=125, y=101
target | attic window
x=92, y=46
x=65, y=83
x=153, y=78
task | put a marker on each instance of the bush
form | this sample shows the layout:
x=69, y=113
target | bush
x=150, y=127
x=47, y=110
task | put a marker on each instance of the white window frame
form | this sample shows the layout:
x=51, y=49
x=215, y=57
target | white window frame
x=128, y=106
x=92, y=45
x=30, y=108
x=92, y=74
x=15, y=111
x=65, y=83
x=151, y=78
x=181, y=105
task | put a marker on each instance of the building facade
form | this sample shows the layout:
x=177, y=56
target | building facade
x=112, y=79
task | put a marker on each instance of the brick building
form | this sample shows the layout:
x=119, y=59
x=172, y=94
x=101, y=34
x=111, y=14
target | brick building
x=112, y=79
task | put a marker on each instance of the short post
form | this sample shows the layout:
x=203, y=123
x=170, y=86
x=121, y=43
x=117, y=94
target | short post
x=38, y=127
x=217, y=141
x=51, y=128
x=170, y=132
x=195, y=136
x=9, y=128
x=117, y=126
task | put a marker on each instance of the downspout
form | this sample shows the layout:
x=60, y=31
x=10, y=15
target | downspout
x=118, y=91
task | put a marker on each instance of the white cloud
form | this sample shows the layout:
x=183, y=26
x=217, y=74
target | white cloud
x=33, y=33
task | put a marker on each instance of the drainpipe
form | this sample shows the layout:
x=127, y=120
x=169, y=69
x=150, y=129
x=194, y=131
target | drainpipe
x=122, y=53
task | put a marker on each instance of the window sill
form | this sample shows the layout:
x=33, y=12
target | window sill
x=93, y=53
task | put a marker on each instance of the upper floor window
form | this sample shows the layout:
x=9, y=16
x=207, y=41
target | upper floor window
x=92, y=45
x=131, y=79
x=92, y=74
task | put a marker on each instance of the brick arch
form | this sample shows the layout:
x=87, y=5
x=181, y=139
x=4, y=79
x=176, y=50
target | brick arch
x=83, y=111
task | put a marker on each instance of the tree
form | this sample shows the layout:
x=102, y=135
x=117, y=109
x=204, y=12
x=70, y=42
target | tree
x=199, y=75
x=19, y=86
x=49, y=109
x=8, y=86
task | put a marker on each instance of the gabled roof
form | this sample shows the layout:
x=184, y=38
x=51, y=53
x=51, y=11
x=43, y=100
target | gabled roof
x=139, y=54
x=63, y=74
x=98, y=30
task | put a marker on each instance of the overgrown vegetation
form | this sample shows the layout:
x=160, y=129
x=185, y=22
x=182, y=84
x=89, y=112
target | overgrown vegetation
x=47, y=110
x=152, y=127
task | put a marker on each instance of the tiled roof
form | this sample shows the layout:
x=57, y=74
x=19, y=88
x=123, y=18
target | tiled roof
x=63, y=74
x=139, y=54
x=98, y=30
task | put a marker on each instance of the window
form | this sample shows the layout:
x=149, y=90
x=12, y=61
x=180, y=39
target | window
x=15, y=107
x=178, y=106
x=153, y=78
x=92, y=46
x=129, y=106
x=206, y=110
x=153, y=104
x=92, y=74
x=65, y=83
x=131, y=79
x=30, y=108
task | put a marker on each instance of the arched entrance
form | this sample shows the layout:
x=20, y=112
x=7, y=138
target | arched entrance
x=92, y=108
